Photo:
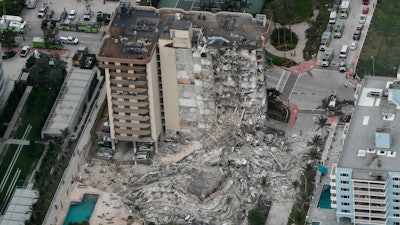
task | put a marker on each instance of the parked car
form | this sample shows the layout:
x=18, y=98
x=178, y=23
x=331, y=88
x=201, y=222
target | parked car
x=99, y=16
x=363, y=19
x=43, y=10
x=109, y=16
x=63, y=15
x=357, y=35
x=106, y=155
x=72, y=14
x=25, y=51
x=49, y=14
x=69, y=40
x=365, y=9
x=53, y=24
x=353, y=46
x=88, y=14
x=141, y=155
x=342, y=65
x=106, y=127
x=360, y=26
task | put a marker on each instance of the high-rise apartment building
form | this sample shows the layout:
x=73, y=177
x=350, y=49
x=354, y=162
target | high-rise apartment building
x=168, y=70
x=365, y=183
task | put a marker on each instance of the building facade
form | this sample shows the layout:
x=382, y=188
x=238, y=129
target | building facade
x=2, y=78
x=171, y=71
x=365, y=183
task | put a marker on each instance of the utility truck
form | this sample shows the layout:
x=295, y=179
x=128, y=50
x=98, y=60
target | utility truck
x=344, y=9
x=53, y=43
x=7, y=19
x=326, y=39
x=327, y=57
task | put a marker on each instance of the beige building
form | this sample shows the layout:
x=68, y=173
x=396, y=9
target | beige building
x=169, y=71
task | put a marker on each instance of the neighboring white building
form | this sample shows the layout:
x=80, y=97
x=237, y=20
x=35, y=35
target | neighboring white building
x=365, y=183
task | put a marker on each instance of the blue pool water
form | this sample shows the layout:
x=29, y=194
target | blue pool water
x=325, y=198
x=81, y=211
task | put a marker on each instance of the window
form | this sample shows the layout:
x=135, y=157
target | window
x=396, y=207
x=344, y=174
x=344, y=189
x=345, y=211
x=396, y=178
x=344, y=182
x=345, y=203
x=396, y=193
x=396, y=200
x=396, y=215
x=345, y=196
x=396, y=185
x=396, y=223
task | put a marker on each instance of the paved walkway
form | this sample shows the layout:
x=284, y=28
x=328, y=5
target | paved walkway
x=54, y=215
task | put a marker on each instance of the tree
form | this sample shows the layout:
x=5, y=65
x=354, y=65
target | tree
x=8, y=38
x=245, y=5
x=321, y=123
x=273, y=94
x=316, y=142
x=49, y=34
x=256, y=217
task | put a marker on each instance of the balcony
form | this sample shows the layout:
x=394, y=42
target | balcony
x=370, y=193
x=364, y=221
x=128, y=75
x=370, y=200
x=138, y=83
x=370, y=207
x=117, y=103
x=132, y=118
x=132, y=132
x=136, y=111
x=129, y=89
x=358, y=184
x=130, y=96
x=371, y=215
x=132, y=125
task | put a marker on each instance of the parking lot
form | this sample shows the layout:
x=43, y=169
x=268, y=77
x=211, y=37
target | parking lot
x=347, y=37
x=91, y=40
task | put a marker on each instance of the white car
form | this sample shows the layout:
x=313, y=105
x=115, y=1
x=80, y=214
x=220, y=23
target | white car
x=25, y=51
x=362, y=19
x=353, y=46
x=69, y=40
x=72, y=14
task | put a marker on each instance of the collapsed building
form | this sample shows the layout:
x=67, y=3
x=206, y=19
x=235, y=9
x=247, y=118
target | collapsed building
x=169, y=71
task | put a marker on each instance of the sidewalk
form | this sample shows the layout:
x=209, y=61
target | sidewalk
x=300, y=30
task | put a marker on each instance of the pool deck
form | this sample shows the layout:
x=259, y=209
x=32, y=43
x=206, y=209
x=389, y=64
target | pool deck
x=109, y=208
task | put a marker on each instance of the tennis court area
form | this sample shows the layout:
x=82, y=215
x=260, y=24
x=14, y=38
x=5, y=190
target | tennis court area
x=188, y=5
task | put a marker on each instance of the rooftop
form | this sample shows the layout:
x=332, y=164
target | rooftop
x=68, y=101
x=368, y=148
x=20, y=207
x=134, y=31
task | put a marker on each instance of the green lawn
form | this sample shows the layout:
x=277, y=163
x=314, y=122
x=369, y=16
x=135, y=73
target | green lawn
x=303, y=10
x=26, y=162
x=381, y=42
x=35, y=111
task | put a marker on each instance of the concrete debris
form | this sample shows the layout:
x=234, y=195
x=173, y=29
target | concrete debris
x=204, y=182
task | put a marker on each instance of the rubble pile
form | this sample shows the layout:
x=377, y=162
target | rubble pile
x=218, y=183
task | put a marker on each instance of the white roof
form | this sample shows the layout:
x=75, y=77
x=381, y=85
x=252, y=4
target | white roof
x=19, y=208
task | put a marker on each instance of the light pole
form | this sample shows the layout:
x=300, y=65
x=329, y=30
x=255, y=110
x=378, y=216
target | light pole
x=373, y=65
x=305, y=182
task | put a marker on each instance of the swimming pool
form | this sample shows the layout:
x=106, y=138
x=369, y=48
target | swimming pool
x=325, y=198
x=81, y=211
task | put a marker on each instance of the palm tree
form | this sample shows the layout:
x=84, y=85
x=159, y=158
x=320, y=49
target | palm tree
x=321, y=123
x=245, y=5
x=316, y=142
x=271, y=10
